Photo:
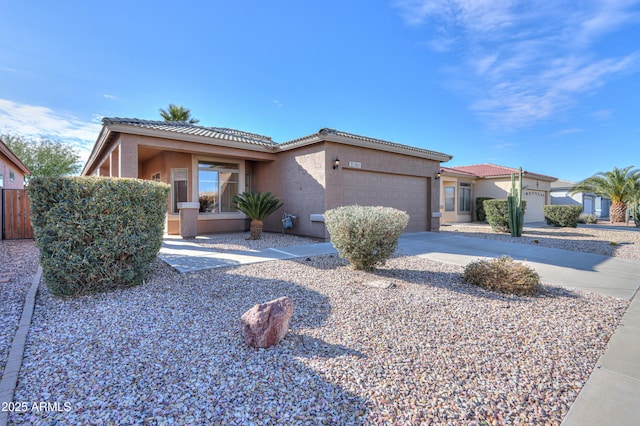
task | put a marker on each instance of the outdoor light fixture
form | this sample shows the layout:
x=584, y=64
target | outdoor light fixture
x=438, y=175
x=336, y=163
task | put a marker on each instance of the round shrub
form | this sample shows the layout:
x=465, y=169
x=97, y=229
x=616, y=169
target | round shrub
x=364, y=235
x=587, y=218
x=562, y=215
x=96, y=234
x=503, y=274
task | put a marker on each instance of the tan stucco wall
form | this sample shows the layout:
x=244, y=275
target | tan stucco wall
x=6, y=167
x=499, y=188
x=298, y=178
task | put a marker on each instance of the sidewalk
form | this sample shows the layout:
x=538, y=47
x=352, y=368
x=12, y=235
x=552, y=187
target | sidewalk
x=611, y=395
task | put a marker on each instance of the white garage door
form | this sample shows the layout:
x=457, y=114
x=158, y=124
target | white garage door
x=535, y=200
x=407, y=193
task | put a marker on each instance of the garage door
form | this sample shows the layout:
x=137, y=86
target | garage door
x=535, y=200
x=407, y=193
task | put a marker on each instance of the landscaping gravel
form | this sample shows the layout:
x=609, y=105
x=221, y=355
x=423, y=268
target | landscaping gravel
x=591, y=239
x=430, y=349
x=19, y=261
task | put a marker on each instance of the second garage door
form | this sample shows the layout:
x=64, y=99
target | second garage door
x=407, y=193
x=535, y=200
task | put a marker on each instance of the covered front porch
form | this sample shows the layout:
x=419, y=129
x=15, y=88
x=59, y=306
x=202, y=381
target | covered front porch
x=203, y=177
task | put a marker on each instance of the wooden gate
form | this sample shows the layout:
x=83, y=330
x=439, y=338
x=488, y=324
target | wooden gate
x=16, y=215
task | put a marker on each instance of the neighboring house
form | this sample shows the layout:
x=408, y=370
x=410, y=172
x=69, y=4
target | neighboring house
x=12, y=173
x=327, y=169
x=12, y=170
x=460, y=186
x=591, y=203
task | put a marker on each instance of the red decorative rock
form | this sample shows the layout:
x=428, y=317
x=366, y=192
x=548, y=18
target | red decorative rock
x=266, y=324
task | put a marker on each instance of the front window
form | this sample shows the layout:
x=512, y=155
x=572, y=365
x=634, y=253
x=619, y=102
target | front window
x=217, y=184
x=449, y=199
x=465, y=197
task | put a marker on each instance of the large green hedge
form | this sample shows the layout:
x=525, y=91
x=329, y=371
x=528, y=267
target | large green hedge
x=96, y=234
x=563, y=215
x=497, y=212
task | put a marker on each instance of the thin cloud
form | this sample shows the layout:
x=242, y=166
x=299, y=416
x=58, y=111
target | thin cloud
x=109, y=96
x=527, y=60
x=602, y=114
x=42, y=122
x=569, y=132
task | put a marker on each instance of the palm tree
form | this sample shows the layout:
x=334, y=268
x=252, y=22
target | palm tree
x=618, y=185
x=178, y=113
x=256, y=207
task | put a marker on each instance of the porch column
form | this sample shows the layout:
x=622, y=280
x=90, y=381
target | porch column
x=188, y=219
x=128, y=160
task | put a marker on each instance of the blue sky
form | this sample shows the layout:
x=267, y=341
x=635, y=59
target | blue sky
x=550, y=86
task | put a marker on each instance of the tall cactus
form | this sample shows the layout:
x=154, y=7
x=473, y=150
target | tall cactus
x=514, y=204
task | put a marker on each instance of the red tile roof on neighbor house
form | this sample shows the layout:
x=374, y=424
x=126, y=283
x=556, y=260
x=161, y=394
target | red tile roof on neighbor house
x=493, y=170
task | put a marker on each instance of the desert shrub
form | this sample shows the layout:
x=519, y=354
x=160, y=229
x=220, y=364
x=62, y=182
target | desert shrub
x=481, y=215
x=96, y=234
x=365, y=236
x=497, y=212
x=587, y=218
x=503, y=274
x=565, y=216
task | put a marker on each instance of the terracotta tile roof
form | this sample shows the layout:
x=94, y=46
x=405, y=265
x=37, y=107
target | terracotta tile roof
x=192, y=129
x=493, y=171
x=451, y=170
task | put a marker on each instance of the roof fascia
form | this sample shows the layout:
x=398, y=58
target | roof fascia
x=142, y=131
x=97, y=148
x=332, y=137
x=14, y=158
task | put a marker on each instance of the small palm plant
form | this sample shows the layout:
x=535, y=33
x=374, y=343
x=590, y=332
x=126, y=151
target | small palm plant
x=256, y=206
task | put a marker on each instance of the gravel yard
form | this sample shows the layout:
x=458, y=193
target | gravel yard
x=19, y=260
x=430, y=349
x=619, y=243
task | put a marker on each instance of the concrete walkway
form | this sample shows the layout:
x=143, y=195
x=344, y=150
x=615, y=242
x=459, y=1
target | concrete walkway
x=611, y=396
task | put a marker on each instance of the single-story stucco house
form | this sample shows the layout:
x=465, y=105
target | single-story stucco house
x=461, y=185
x=321, y=171
x=591, y=203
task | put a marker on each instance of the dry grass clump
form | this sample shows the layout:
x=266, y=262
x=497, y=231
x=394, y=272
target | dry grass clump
x=503, y=274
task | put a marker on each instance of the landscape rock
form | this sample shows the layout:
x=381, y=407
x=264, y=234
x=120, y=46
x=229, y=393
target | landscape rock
x=265, y=324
